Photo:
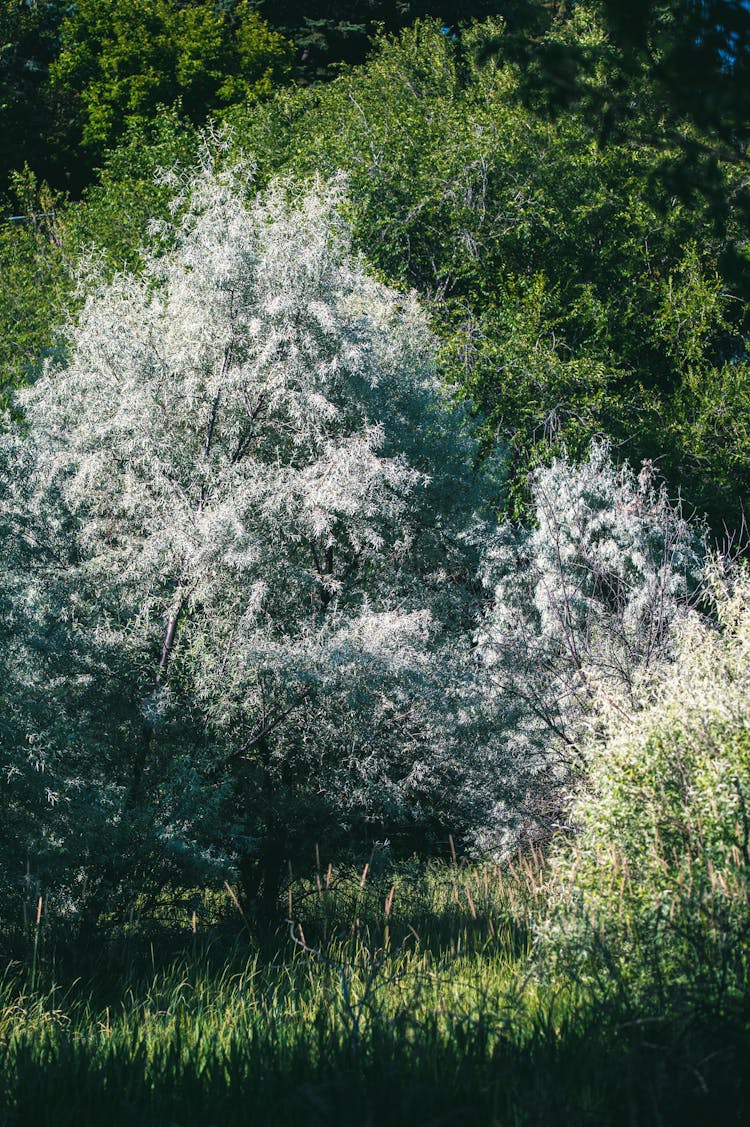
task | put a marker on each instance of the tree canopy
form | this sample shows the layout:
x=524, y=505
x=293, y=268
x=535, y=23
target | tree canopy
x=574, y=290
x=121, y=60
x=243, y=522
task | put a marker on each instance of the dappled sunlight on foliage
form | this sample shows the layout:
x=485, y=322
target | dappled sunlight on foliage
x=374, y=691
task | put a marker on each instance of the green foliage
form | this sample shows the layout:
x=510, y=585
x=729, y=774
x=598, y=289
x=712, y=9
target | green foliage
x=33, y=122
x=42, y=245
x=690, y=59
x=206, y=670
x=328, y=34
x=559, y=270
x=658, y=874
x=684, y=765
x=124, y=58
x=32, y=282
x=714, y=430
x=580, y=283
x=115, y=218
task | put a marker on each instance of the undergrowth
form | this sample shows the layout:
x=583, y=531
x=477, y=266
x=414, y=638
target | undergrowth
x=414, y=995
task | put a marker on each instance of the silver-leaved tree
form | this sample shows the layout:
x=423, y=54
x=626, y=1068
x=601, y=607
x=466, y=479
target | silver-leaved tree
x=580, y=613
x=239, y=535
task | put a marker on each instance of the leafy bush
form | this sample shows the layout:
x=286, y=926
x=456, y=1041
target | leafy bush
x=659, y=873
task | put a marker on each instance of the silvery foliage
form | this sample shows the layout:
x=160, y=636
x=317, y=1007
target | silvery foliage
x=239, y=533
x=580, y=616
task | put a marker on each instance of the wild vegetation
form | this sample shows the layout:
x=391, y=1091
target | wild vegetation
x=374, y=618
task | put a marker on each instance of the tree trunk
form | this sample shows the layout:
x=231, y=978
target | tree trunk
x=260, y=881
x=272, y=862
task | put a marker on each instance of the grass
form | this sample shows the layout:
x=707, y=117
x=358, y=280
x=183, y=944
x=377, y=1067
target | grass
x=419, y=996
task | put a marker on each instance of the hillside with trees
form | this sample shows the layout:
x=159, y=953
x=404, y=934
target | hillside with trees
x=374, y=458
